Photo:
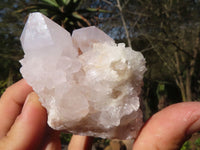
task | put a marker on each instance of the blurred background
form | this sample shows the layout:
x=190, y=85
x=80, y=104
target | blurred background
x=167, y=32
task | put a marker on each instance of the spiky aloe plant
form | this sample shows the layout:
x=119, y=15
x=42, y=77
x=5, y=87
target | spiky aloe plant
x=67, y=13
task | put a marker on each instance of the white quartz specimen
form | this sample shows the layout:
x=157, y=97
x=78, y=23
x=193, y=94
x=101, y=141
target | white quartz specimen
x=89, y=84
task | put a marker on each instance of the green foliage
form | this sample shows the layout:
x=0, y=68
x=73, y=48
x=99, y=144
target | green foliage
x=10, y=52
x=3, y=85
x=191, y=145
x=65, y=138
x=161, y=89
x=186, y=146
x=68, y=13
x=197, y=143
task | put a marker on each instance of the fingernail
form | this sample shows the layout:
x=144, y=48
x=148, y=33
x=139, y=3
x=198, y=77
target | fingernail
x=30, y=98
x=194, y=127
x=27, y=99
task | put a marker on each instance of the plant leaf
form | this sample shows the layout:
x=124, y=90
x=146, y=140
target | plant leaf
x=51, y=2
x=60, y=2
x=78, y=16
x=66, y=2
x=98, y=10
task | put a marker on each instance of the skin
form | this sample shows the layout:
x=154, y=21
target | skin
x=23, y=121
x=24, y=125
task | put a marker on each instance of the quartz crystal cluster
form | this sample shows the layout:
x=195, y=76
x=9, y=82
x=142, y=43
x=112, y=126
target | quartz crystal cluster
x=89, y=84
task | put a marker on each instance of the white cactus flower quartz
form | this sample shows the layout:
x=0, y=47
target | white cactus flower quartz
x=89, y=84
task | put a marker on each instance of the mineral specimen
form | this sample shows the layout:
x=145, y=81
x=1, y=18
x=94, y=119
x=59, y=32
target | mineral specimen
x=89, y=84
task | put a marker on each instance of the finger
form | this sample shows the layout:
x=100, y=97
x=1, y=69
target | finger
x=80, y=143
x=11, y=104
x=53, y=144
x=52, y=141
x=169, y=128
x=29, y=128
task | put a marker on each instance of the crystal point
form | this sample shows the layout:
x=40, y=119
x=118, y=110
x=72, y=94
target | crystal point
x=95, y=93
x=47, y=36
x=91, y=35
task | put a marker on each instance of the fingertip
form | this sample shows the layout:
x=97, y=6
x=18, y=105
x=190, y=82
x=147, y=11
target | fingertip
x=79, y=142
x=31, y=102
x=30, y=126
x=52, y=141
x=168, y=129
x=11, y=103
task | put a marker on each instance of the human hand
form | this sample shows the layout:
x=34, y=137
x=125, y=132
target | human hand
x=170, y=128
x=166, y=130
x=23, y=123
x=24, y=127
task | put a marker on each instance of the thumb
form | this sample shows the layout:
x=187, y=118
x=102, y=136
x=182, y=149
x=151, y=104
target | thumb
x=29, y=128
x=169, y=128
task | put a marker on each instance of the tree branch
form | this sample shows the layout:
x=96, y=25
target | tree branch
x=124, y=24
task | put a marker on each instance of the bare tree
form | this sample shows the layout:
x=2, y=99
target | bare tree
x=173, y=31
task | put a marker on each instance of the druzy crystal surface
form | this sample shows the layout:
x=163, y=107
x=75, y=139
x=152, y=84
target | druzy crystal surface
x=89, y=84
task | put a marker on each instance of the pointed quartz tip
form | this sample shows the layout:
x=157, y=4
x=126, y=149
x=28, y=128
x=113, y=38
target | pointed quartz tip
x=41, y=35
x=85, y=37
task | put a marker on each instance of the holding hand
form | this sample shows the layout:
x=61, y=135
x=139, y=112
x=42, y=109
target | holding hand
x=23, y=123
x=24, y=126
